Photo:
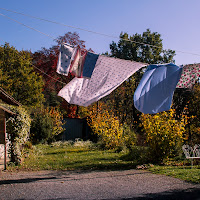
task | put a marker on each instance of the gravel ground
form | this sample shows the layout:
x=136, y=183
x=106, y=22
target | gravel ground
x=126, y=184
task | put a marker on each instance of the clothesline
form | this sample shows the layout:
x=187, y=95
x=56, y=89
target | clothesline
x=45, y=35
x=104, y=74
x=23, y=57
x=90, y=31
x=28, y=26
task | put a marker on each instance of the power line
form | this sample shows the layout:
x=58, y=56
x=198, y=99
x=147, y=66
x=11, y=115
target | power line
x=23, y=57
x=90, y=31
x=28, y=26
x=54, y=22
x=47, y=74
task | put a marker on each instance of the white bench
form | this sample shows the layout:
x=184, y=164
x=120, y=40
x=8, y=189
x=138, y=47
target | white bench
x=191, y=153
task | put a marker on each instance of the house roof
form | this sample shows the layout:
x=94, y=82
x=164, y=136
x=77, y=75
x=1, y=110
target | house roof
x=8, y=98
x=6, y=110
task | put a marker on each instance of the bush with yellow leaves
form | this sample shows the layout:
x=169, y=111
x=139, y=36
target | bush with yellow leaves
x=106, y=126
x=164, y=133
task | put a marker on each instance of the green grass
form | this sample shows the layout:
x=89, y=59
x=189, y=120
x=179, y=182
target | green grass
x=182, y=172
x=46, y=157
x=85, y=156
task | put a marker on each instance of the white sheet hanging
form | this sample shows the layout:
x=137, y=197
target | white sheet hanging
x=108, y=74
x=65, y=58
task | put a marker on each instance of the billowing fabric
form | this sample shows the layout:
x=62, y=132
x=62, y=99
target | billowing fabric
x=77, y=64
x=108, y=74
x=65, y=58
x=89, y=64
x=77, y=61
x=155, y=91
x=190, y=75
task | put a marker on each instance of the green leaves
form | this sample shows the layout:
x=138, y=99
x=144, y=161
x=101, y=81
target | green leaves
x=18, y=129
x=145, y=48
x=18, y=77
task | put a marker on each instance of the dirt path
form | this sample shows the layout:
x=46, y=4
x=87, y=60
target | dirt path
x=127, y=184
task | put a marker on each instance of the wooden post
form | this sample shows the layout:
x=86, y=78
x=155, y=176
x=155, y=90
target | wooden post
x=5, y=149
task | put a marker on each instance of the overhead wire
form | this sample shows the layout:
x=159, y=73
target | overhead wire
x=41, y=33
x=71, y=27
x=47, y=74
x=90, y=31
x=28, y=26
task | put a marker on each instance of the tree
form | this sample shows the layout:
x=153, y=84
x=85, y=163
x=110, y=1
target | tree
x=193, y=112
x=46, y=125
x=46, y=61
x=141, y=50
x=18, y=77
x=145, y=48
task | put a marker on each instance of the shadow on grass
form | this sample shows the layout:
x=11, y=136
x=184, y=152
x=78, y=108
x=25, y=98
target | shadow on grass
x=66, y=151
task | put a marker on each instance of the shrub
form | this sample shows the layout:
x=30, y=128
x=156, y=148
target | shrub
x=46, y=124
x=86, y=144
x=106, y=126
x=163, y=133
x=18, y=128
x=129, y=137
x=139, y=154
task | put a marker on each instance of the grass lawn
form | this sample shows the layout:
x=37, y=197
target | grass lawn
x=48, y=157
x=182, y=172
x=85, y=157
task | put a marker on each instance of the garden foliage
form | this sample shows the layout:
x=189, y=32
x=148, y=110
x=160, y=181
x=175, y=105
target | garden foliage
x=18, y=129
x=107, y=127
x=46, y=125
x=164, y=133
x=193, y=112
x=18, y=78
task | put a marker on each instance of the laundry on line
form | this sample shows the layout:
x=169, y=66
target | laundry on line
x=189, y=76
x=66, y=55
x=79, y=62
x=108, y=74
x=155, y=91
x=98, y=75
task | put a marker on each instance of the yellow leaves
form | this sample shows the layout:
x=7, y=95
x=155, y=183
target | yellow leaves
x=163, y=131
x=105, y=125
x=57, y=118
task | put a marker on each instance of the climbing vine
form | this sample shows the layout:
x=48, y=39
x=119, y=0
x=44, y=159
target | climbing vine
x=18, y=129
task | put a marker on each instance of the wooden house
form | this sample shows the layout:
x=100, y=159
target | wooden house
x=5, y=98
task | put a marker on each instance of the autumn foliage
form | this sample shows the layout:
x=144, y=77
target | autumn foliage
x=105, y=125
x=45, y=62
x=164, y=133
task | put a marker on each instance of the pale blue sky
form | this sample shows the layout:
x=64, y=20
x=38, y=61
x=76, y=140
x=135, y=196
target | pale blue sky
x=178, y=22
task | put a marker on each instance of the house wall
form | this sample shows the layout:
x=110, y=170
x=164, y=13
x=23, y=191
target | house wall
x=1, y=150
x=2, y=134
x=2, y=126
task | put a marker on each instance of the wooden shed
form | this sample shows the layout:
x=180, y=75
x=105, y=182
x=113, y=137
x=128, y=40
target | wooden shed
x=76, y=128
x=5, y=98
